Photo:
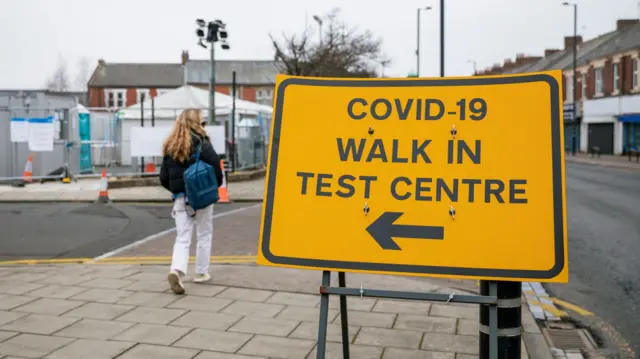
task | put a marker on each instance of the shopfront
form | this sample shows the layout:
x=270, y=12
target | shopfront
x=571, y=128
x=630, y=131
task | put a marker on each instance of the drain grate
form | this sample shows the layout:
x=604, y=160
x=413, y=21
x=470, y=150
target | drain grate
x=567, y=339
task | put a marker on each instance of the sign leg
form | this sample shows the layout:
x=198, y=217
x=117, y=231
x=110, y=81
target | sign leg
x=324, y=314
x=342, y=282
x=500, y=325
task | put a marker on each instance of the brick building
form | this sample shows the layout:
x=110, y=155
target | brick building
x=119, y=85
x=607, y=96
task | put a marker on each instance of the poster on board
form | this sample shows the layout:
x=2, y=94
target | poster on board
x=19, y=129
x=41, y=134
x=147, y=141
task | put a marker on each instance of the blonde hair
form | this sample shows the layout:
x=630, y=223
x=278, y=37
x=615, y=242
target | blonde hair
x=178, y=144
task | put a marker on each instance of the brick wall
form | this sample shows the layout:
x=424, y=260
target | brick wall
x=579, y=85
x=132, y=97
x=607, y=78
x=626, y=70
x=96, y=95
x=97, y=99
x=591, y=82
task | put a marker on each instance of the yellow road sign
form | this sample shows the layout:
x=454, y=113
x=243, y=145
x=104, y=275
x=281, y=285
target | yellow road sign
x=454, y=177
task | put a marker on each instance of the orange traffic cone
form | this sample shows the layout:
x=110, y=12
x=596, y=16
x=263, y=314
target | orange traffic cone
x=28, y=170
x=103, y=196
x=222, y=189
x=150, y=168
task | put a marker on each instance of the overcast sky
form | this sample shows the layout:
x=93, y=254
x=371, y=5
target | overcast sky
x=35, y=34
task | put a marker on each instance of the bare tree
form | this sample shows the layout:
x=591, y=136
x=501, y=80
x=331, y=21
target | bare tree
x=342, y=52
x=82, y=74
x=59, y=80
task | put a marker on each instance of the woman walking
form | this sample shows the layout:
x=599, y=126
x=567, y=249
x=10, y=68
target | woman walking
x=178, y=148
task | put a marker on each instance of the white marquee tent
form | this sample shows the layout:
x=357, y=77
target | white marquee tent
x=170, y=104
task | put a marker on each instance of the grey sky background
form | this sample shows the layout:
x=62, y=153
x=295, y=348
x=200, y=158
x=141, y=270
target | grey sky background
x=35, y=34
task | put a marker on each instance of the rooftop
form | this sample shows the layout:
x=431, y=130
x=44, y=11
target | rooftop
x=156, y=75
x=626, y=37
x=248, y=72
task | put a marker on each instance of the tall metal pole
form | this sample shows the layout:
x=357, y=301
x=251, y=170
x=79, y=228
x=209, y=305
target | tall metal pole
x=418, y=46
x=509, y=320
x=153, y=112
x=441, y=38
x=142, y=125
x=233, y=123
x=212, y=86
x=319, y=21
x=575, y=77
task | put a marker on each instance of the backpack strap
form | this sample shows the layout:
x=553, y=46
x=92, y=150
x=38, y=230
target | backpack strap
x=196, y=155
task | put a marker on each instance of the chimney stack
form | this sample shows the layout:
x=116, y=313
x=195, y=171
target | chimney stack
x=185, y=57
x=101, y=63
x=568, y=41
x=622, y=23
x=548, y=52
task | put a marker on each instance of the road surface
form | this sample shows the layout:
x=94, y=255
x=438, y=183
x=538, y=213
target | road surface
x=75, y=230
x=603, y=206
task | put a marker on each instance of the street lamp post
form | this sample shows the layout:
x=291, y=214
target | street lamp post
x=575, y=77
x=441, y=38
x=319, y=21
x=216, y=32
x=475, y=67
x=427, y=8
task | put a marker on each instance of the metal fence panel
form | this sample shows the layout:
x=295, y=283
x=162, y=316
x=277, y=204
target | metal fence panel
x=109, y=141
x=106, y=138
x=251, y=147
x=15, y=155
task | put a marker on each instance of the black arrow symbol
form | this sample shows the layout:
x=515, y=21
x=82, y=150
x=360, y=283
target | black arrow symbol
x=383, y=230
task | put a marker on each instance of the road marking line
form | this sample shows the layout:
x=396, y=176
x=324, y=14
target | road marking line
x=46, y=261
x=540, y=303
x=131, y=260
x=549, y=308
x=555, y=311
x=573, y=307
x=164, y=258
x=158, y=235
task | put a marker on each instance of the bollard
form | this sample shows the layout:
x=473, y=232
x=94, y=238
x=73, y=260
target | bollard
x=509, y=320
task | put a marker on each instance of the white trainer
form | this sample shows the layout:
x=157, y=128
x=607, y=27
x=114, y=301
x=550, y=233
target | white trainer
x=199, y=278
x=175, y=282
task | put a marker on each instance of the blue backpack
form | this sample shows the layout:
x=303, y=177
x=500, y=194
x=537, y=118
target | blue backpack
x=200, y=183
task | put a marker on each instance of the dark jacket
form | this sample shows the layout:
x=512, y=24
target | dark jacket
x=172, y=172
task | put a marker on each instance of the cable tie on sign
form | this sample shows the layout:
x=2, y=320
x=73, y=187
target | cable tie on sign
x=450, y=297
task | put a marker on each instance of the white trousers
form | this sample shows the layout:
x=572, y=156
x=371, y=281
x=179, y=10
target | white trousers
x=203, y=221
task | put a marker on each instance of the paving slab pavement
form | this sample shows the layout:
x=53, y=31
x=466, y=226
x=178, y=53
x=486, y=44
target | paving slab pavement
x=127, y=311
